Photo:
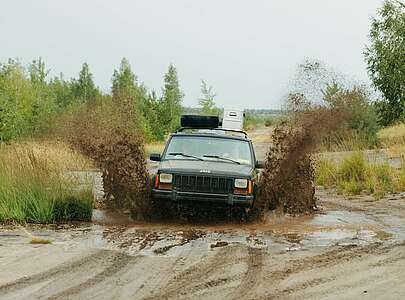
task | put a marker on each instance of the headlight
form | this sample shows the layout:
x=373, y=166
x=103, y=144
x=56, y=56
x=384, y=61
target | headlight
x=241, y=183
x=165, y=178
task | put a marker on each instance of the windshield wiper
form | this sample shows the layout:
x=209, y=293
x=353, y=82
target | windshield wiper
x=185, y=155
x=223, y=158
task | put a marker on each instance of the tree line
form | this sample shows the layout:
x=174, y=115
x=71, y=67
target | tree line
x=29, y=98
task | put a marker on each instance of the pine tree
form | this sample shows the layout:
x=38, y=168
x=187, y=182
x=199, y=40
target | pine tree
x=124, y=82
x=171, y=108
x=131, y=96
x=84, y=88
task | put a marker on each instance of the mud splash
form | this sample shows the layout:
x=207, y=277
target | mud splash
x=109, y=134
x=287, y=182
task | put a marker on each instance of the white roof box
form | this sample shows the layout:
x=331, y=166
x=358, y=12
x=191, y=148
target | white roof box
x=233, y=119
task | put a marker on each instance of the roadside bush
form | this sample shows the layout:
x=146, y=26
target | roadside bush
x=350, y=187
x=74, y=207
x=354, y=175
x=379, y=180
x=359, y=129
x=252, y=121
x=31, y=191
x=352, y=168
x=326, y=173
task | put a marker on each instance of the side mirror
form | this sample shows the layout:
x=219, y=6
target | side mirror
x=155, y=157
x=260, y=164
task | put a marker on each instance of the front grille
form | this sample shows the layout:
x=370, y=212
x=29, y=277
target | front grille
x=203, y=184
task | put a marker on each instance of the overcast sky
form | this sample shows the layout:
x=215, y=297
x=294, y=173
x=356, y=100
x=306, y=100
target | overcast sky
x=247, y=50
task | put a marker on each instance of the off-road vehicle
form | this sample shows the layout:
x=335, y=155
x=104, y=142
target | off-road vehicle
x=204, y=163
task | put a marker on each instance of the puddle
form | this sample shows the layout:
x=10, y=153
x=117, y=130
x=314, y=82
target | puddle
x=334, y=218
x=113, y=230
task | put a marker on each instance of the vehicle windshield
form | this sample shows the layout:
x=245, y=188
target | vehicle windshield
x=210, y=149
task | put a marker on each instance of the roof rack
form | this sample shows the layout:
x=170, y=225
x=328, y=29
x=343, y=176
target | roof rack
x=214, y=129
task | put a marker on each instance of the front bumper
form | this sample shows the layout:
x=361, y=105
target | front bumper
x=230, y=199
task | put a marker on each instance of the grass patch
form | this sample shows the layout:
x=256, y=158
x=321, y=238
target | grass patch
x=392, y=136
x=154, y=148
x=57, y=155
x=33, y=189
x=36, y=240
x=383, y=236
x=354, y=175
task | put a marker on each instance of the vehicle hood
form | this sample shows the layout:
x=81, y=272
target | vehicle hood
x=205, y=168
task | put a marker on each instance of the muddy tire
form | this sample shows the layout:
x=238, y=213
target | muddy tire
x=163, y=210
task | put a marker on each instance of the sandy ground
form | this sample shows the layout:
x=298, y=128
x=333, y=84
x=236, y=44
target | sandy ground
x=349, y=249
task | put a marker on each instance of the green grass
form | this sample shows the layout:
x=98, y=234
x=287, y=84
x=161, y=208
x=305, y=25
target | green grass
x=31, y=191
x=354, y=176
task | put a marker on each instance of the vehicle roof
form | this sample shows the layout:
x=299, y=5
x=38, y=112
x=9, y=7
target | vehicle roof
x=212, y=133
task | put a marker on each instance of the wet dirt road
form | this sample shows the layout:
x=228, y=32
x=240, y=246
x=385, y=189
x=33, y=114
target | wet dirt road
x=350, y=249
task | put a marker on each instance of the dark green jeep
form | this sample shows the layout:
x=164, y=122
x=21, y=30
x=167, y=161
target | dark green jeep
x=204, y=163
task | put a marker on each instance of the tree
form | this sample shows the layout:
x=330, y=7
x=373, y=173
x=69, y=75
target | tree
x=84, y=88
x=37, y=71
x=385, y=59
x=124, y=82
x=171, y=107
x=207, y=102
x=130, y=96
x=152, y=111
x=62, y=91
x=360, y=119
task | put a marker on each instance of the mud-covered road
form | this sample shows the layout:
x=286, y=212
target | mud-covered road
x=350, y=249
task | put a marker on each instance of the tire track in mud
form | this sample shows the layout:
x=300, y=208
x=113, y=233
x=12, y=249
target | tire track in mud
x=252, y=276
x=118, y=263
x=93, y=260
x=189, y=280
x=328, y=259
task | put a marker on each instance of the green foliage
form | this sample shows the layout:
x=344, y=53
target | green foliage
x=153, y=110
x=255, y=120
x=386, y=60
x=29, y=102
x=171, y=108
x=360, y=122
x=125, y=84
x=132, y=96
x=326, y=173
x=76, y=207
x=30, y=191
x=24, y=99
x=353, y=168
x=83, y=88
x=62, y=92
x=354, y=175
x=207, y=103
x=252, y=121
